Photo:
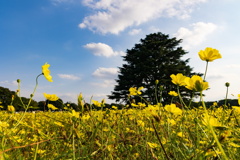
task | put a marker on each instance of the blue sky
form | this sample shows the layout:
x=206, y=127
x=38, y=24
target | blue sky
x=83, y=41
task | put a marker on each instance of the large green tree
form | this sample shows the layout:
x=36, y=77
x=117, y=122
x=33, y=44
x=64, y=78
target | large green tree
x=155, y=58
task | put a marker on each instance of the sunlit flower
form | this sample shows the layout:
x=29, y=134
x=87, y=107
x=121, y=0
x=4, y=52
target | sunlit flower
x=140, y=123
x=152, y=145
x=46, y=72
x=52, y=107
x=11, y=108
x=173, y=109
x=80, y=100
x=75, y=114
x=114, y=107
x=196, y=83
x=171, y=121
x=173, y=93
x=134, y=91
x=51, y=97
x=96, y=103
x=178, y=79
x=200, y=85
x=180, y=134
x=140, y=105
x=209, y=54
x=212, y=121
x=236, y=109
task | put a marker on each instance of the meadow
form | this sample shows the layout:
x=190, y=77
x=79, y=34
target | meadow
x=144, y=131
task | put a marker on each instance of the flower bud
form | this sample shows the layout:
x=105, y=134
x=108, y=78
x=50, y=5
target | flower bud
x=18, y=80
x=157, y=81
x=227, y=84
x=161, y=88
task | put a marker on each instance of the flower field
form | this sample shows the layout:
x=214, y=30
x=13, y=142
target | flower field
x=144, y=131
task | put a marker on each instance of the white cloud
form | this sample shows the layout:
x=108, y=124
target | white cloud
x=12, y=83
x=134, y=31
x=237, y=66
x=101, y=49
x=115, y=16
x=68, y=76
x=196, y=35
x=105, y=84
x=56, y=2
x=107, y=73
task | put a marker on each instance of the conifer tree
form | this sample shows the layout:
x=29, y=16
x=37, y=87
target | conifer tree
x=155, y=58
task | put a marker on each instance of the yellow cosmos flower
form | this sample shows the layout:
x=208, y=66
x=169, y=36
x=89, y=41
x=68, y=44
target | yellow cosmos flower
x=196, y=83
x=173, y=109
x=212, y=121
x=96, y=103
x=178, y=79
x=173, y=93
x=52, y=107
x=134, y=91
x=11, y=108
x=200, y=86
x=209, y=54
x=75, y=114
x=236, y=109
x=51, y=97
x=46, y=72
x=152, y=145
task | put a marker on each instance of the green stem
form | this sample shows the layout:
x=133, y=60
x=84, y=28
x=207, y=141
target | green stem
x=159, y=140
x=35, y=154
x=73, y=142
x=180, y=97
x=29, y=101
x=205, y=71
x=226, y=97
x=211, y=128
x=156, y=93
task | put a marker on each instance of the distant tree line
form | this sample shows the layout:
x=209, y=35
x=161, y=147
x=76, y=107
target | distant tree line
x=8, y=97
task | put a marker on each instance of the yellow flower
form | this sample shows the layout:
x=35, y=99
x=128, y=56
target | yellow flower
x=173, y=93
x=140, y=123
x=46, y=72
x=96, y=103
x=200, y=85
x=180, y=134
x=178, y=79
x=196, y=83
x=51, y=97
x=134, y=91
x=52, y=107
x=236, y=109
x=171, y=121
x=209, y=54
x=80, y=100
x=75, y=114
x=11, y=108
x=152, y=145
x=173, y=109
x=212, y=121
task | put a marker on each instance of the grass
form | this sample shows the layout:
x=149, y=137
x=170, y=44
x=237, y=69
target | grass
x=149, y=133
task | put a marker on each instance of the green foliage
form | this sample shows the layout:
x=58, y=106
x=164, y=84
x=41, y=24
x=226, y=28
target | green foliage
x=5, y=96
x=8, y=97
x=155, y=58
